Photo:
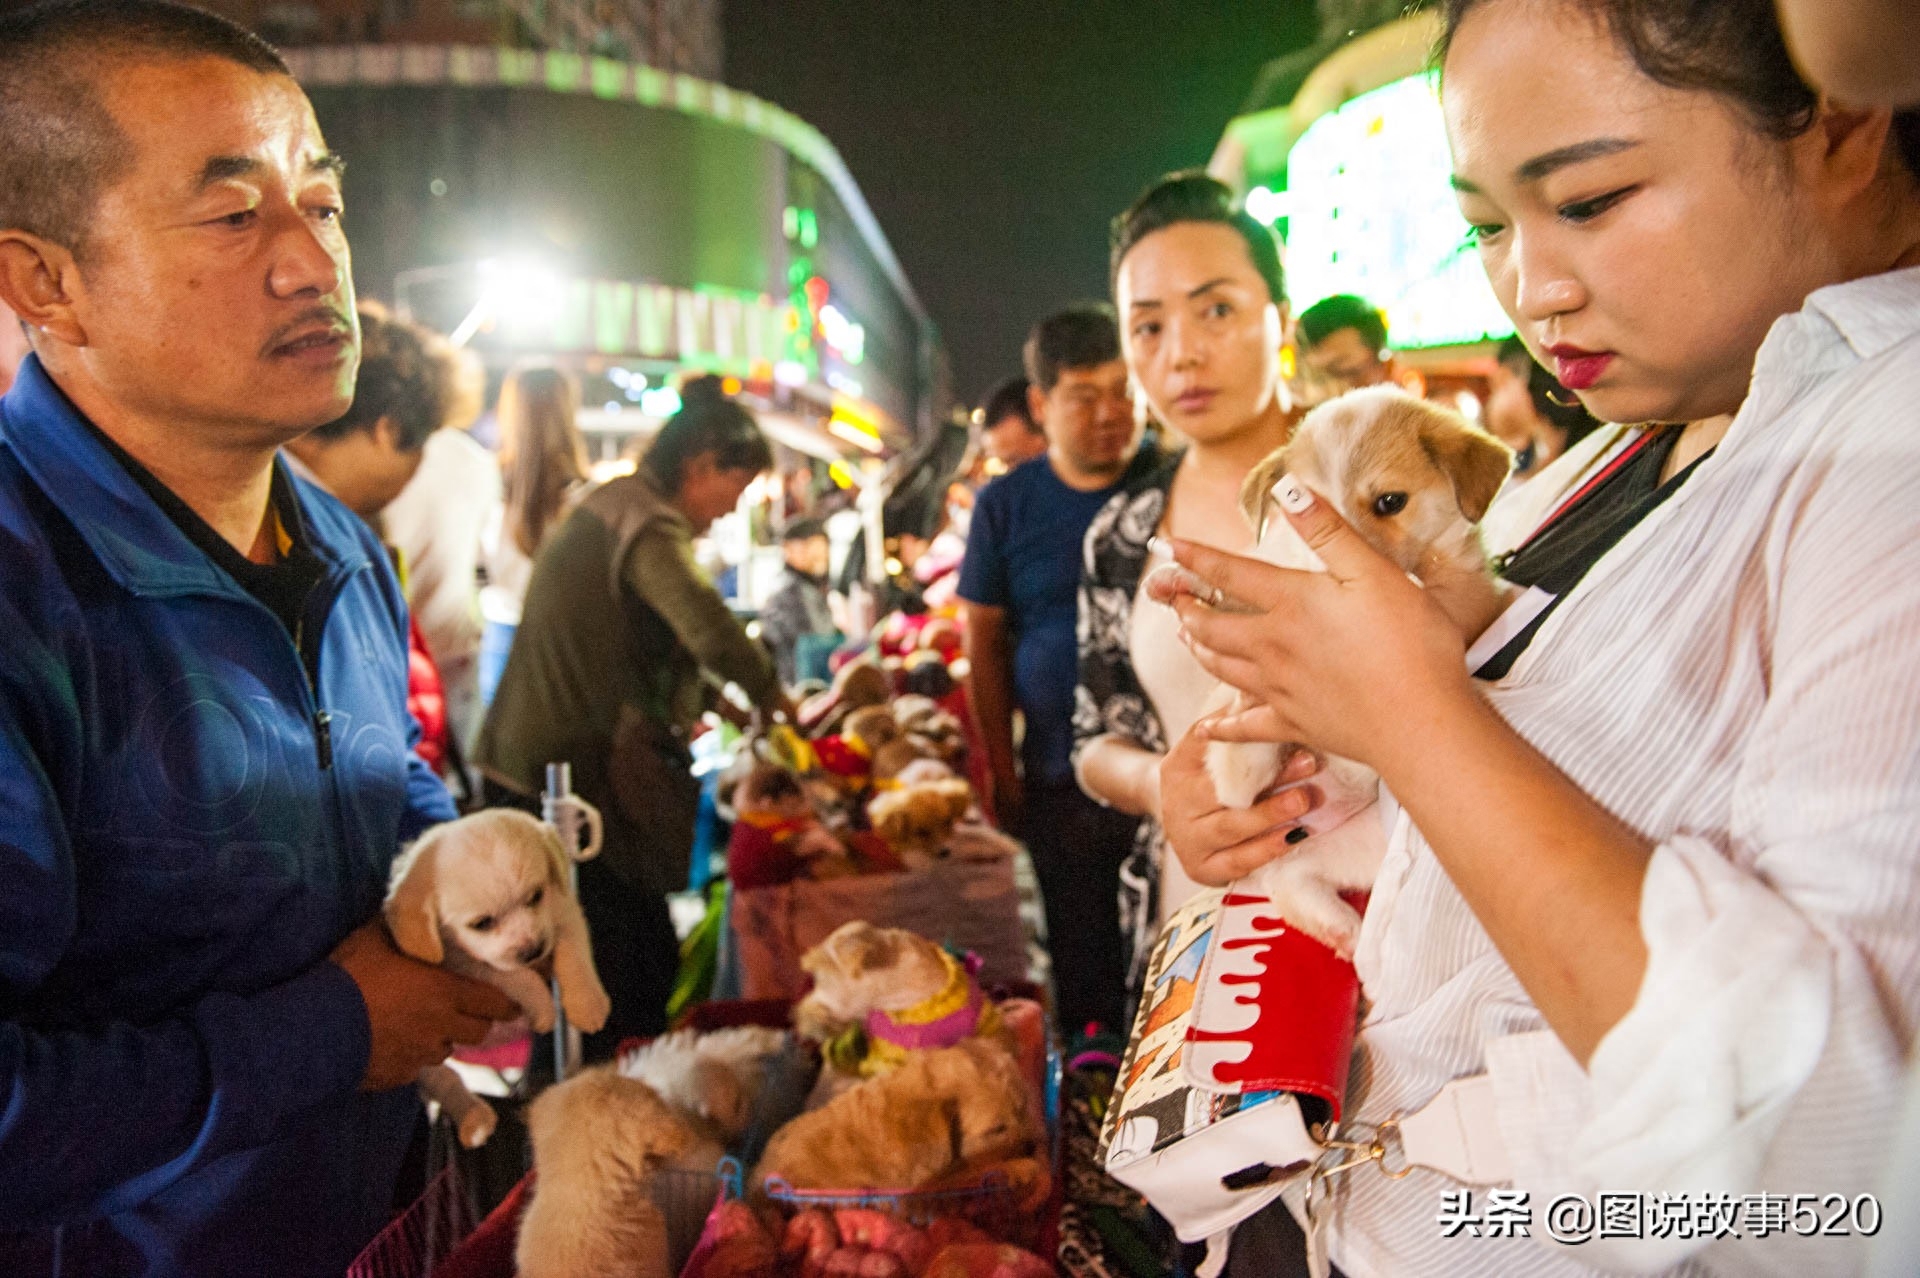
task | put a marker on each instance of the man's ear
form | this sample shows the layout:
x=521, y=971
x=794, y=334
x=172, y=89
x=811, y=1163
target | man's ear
x=410, y=910
x=1477, y=463
x=1037, y=406
x=37, y=280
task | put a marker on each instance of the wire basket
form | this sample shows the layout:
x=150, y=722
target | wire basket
x=433, y=1227
x=685, y=1197
x=994, y=1204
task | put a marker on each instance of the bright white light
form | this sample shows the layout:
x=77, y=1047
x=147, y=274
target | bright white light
x=790, y=373
x=662, y=401
x=844, y=384
x=617, y=375
x=848, y=339
x=523, y=296
x=1266, y=205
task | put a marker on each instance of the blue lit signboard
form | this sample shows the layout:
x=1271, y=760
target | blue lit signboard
x=1369, y=211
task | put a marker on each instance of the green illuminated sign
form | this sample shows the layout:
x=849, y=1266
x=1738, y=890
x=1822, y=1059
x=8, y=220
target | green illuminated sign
x=1370, y=211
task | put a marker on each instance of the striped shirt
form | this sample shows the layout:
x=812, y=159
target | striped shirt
x=1739, y=681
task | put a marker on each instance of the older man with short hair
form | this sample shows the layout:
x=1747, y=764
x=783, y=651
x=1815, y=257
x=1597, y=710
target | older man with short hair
x=206, y=767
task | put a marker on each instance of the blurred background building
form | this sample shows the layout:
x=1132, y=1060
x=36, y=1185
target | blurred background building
x=673, y=35
x=1342, y=149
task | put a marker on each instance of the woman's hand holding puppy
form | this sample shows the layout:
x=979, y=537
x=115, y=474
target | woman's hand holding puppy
x=416, y=1012
x=1218, y=844
x=1357, y=661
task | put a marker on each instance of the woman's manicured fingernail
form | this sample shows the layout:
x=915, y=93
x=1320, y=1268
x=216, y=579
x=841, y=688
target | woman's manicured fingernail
x=1159, y=545
x=1299, y=834
x=1299, y=767
x=1292, y=494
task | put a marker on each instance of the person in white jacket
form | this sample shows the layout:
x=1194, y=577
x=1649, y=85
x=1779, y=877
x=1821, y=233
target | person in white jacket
x=1657, y=881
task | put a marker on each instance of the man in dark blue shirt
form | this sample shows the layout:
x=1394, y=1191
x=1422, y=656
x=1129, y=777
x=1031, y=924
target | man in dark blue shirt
x=1020, y=580
x=207, y=1040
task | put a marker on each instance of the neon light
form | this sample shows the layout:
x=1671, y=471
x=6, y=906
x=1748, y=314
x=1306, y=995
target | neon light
x=838, y=428
x=662, y=401
x=1370, y=211
x=1266, y=205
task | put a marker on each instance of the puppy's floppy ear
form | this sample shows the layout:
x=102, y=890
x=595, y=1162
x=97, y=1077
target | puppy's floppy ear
x=1256, y=490
x=1476, y=462
x=411, y=914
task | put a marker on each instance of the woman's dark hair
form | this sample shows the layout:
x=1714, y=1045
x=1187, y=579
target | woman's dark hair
x=708, y=422
x=542, y=455
x=1732, y=48
x=1193, y=196
x=1550, y=399
x=407, y=376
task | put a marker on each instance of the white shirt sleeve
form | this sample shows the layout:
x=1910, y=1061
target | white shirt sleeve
x=1765, y=1050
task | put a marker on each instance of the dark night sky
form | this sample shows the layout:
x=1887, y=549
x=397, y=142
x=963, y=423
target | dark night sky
x=995, y=140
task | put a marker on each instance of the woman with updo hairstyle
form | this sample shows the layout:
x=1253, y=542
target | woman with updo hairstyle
x=1203, y=315
x=621, y=646
x=1647, y=932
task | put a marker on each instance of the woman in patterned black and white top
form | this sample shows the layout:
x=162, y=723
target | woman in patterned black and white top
x=1659, y=883
x=1202, y=314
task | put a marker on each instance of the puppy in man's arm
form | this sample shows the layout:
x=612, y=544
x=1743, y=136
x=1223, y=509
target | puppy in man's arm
x=489, y=896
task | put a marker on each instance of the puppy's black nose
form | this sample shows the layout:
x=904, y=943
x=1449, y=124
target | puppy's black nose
x=532, y=953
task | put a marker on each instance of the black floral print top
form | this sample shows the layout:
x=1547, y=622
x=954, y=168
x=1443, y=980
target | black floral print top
x=1109, y=700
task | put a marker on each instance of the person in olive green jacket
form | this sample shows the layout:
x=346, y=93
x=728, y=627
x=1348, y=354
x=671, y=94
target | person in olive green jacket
x=622, y=645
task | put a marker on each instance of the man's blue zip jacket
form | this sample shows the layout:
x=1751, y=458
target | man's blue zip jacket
x=189, y=822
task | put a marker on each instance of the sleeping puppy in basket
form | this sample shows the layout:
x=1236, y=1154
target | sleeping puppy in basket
x=1413, y=479
x=603, y=1140
x=488, y=896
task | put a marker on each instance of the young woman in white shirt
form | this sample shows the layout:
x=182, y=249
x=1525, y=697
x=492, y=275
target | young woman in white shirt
x=1660, y=882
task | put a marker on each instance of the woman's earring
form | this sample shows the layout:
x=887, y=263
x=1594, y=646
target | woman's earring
x=1571, y=401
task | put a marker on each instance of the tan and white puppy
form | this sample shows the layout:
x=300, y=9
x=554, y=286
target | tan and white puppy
x=713, y=1079
x=600, y=1141
x=859, y=968
x=489, y=896
x=1413, y=479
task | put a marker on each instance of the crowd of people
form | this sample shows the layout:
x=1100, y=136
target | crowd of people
x=1646, y=874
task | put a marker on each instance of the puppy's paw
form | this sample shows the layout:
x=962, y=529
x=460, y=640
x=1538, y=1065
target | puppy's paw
x=1321, y=914
x=587, y=1008
x=477, y=1124
x=1241, y=770
x=540, y=1016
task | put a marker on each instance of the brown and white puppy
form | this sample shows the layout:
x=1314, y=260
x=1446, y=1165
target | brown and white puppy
x=712, y=1079
x=917, y=820
x=859, y=968
x=489, y=896
x=941, y=1112
x=1413, y=479
x=599, y=1140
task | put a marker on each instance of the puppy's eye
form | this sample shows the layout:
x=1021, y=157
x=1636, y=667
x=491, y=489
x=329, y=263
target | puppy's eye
x=1389, y=504
x=539, y=894
x=483, y=924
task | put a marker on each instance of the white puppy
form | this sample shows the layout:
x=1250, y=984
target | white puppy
x=488, y=896
x=1413, y=479
x=713, y=1078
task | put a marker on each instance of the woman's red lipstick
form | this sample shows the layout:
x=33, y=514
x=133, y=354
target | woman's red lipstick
x=1578, y=369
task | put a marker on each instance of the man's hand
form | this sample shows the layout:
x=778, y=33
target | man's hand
x=1216, y=844
x=417, y=1012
